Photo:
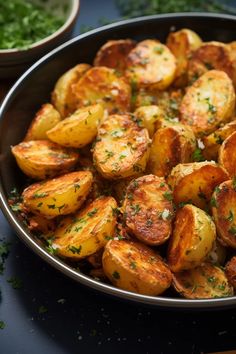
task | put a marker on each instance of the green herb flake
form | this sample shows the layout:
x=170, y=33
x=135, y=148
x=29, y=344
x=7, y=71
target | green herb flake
x=158, y=49
x=197, y=155
x=168, y=195
x=42, y=309
x=15, y=282
x=75, y=250
x=2, y=325
x=230, y=217
x=213, y=202
x=135, y=209
x=116, y=275
x=234, y=183
x=92, y=212
x=133, y=265
x=232, y=230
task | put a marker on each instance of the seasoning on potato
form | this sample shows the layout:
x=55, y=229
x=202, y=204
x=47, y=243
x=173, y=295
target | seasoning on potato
x=227, y=155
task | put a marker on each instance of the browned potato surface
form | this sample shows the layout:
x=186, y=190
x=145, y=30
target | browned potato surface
x=148, y=209
x=148, y=116
x=230, y=271
x=134, y=267
x=41, y=159
x=227, y=155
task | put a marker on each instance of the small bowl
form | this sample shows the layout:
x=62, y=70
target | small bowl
x=14, y=62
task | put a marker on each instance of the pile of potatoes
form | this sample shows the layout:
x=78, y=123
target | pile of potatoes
x=135, y=166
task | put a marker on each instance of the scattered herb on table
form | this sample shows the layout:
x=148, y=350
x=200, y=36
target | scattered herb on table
x=15, y=282
x=2, y=325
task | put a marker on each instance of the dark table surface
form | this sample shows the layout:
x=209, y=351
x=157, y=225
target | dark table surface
x=52, y=314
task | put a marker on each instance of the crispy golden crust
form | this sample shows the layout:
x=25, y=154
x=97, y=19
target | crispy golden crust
x=230, y=271
x=41, y=159
x=148, y=117
x=193, y=238
x=227, y=154
x=224, y=212
x=122, y=147
x=134, y=267
x=103, y=85
x=113, y=54
x=148, y=209
x=209, y=102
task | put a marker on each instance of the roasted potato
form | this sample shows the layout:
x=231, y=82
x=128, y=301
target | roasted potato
x=193, y=238
x=41, y=226
x=41, y=159
x=204, y=282
x=170, y=146
x=63, y=97
x=224, y=212
x=134, y=267
x=230, y=271
x=209, y=102
x=79, y=129
x=148, y=209
x=195, y=182
x=122, y=147
x=46, y=118
x=148, y=116
x=80, y=235
x=227, y=154
x=151, y=65
x=59, y=196
x=105, y=86
x=113, y=54
x=120, y=187
x=182, y=43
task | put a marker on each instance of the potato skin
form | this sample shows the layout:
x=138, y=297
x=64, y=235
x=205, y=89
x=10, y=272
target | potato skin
x=170, y=146
x=63, y=98
x=41, y=159
x=148, y=209
x=204, y=282
x=59, y=196
x=122, y=147
x=134, y=267
x=195, y=182
x=230, y=271
x=209, y=102
x=79, y=129
x=113, y=54
x=46, y=118
x=227, y=155
x=151, y=65
x=103, y=85
x=148, y=116
x=224, y=212
x=192, y=239
x=80, y=235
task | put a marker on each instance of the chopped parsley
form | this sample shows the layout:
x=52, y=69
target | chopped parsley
x=2, y=325
x=92, y=212
x=230, y=217
x=74, y=249
x=15, y=282
x=168, y=195
x=116, y=275
x=135, y=209
x=133, y=265
x=42, y=309
x=197, y=155
x=232, y=230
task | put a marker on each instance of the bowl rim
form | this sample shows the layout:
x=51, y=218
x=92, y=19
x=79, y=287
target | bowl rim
x=23, y=233
x=75, y=7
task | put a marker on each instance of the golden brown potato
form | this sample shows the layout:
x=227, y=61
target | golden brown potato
x=59, y=196
x=148, y=209
x=151, y=65
x=122, y=147
x=41, y=226
x=79, y=129
x=230, y=271
x=195, y=182
x=86, y=232
x=113, y=54
x=224, y=212
x=193, y=238
x=46, y=118
x=213, y=141
x=227, y=154
x=209, y=102
x=95, y=259
x=182, y=43
x=171, y=145
x=120, y=187
x=41, y=159
x=204, y=282
x=105, y=86
x=63, y=97
x=148, y=116
x=134, y=267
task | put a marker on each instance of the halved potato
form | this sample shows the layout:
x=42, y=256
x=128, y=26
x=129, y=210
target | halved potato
x=227, y=155
x=113, y=54
x=105, y=86
x=204, y=282
x=151, y=65
x=193, y=238
x=230, y=271
x=182, y=43
x=41, y=159
x=213, y=141
x=148, y=116
x=63, y=97
x=224, y=212
x=170, y=146
x=86, y=232
x=59, y=196
x=122, y=147
x=209, y=102
x=134, y=267
x=195, y=182
x=46, y=118
x=79, y=129
x=148, y=209
x=120, y=187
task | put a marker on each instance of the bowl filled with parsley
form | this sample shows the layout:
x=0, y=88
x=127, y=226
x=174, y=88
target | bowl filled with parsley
x=31, y=28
